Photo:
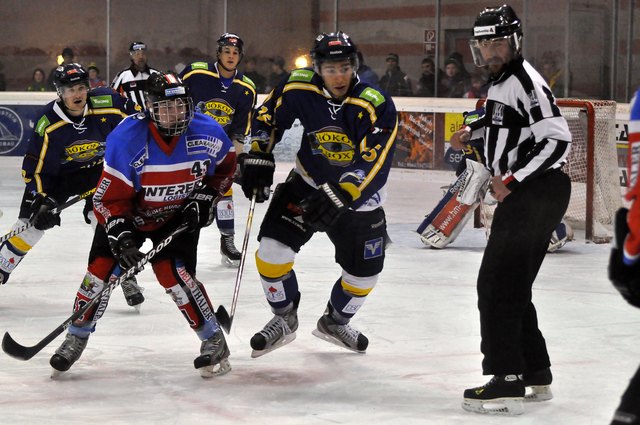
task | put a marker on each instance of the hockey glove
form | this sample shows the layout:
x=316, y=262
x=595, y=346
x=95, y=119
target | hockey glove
x=87, y=211
x=199, y=210
x=256, y=169
x=626, y=279
x=42, y=215
x=323, y=207
x=120, y=233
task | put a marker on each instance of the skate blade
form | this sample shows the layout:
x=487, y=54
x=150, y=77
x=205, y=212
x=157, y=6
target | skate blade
x=217, y=369
x=498, y=406
x=284, y=341
x=538, y=393
x=227, y=262
x=55, y=373
x=335, y=341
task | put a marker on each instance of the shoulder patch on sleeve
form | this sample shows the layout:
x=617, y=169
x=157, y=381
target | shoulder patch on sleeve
x=104, y=101
x=42, y=125
x=248, y=81
x=199, y=65
x=301, y=75
x=373, y=96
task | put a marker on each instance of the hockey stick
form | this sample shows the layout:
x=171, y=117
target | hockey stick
x=224, y=318
x=56, y=210
x=21, y=352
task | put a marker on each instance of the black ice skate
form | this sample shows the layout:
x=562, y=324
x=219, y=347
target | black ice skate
x=230, y=256
x=280, y=331
x=538, y=385
x=340, y=334
x=214, y=356
x=502, y=395
x=68, y=353
x=132, y=293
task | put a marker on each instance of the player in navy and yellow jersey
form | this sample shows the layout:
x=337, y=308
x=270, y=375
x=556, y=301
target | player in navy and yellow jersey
x=222, y=92
x=338, y=186
x=64, y=158
x=162, y=169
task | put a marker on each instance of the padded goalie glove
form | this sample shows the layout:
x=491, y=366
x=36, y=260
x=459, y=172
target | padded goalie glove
x=199, y=209
x=626, y=279
x=323, y=207
x=256, y=170
x=43, y=214
x=120, y=233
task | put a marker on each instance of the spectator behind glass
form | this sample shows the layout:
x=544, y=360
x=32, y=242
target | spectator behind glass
x=552, y=74
x=453, y=81
x=395, y=82
x=427, y=81
x=250, y=71
x=37, y=81
x=366, y=74
x=68, y=57
x=479, y=86
x=278, y=72
x=94, y=76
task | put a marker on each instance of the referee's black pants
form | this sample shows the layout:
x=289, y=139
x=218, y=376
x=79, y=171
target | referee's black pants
x=520, y=234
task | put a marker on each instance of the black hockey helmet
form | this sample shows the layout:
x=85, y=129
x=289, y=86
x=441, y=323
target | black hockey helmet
x=166, y=94
x=230, y=39
x=69, y=75
x=334, y=46
x=137, y=45
x=495, y=23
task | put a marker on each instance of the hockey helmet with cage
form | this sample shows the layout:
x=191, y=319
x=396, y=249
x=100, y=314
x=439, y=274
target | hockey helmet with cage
x=169, y=103
x=492, y=25
x=332, y=47
x=69, y=75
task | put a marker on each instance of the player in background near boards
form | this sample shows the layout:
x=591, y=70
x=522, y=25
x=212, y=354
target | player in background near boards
x=64, y=158
x=224, y=93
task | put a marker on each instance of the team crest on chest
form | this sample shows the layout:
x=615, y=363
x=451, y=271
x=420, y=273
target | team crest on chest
x=333, y=144
x=219, y=110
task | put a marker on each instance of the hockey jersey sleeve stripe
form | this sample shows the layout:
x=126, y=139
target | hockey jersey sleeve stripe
x=117, y=174
x=200, y=71
x=43, y=154
x=301, y=86
x=107, y=111
x=382, y=159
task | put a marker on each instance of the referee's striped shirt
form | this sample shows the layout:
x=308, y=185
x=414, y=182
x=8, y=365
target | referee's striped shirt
x=525, y=133
x=132, y=83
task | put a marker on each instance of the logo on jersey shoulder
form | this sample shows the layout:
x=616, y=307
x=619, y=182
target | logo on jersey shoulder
x=219, y=110
x=333, y=144
x=138, y=160
x=11, y=130
x=101, y=101
x=533, y=98
x=373, y=248
x=83, y=151
x=201, y=143
x=497, y=116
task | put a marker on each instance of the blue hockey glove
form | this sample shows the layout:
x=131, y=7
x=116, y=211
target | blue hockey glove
x=199, y=210
x=120, y=233
x=256, y=173
x=42, y=217
x=626, y=279
x=323, y=207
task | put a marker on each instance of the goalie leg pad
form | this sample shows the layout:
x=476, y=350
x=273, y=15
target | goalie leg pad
x=473, y=183
x=443, y=225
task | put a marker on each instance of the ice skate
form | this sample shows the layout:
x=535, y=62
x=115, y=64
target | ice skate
x=280, y=331
x=214, y=356
x=68, y=353
x=132, y=293
x=538, y=385
x=342, y=335
x=502, y=395
x=230, y=256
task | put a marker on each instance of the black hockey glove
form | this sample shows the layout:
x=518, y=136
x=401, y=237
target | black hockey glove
x=199, y=210
x=120, y=232
x=322, y=208
x=626, y=279
x=87, y=211
x=256, y=170
x=42, y=215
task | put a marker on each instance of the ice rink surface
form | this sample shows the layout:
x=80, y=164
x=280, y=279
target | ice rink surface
x=421, y=320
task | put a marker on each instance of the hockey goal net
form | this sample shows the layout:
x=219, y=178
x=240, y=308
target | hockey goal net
x=592, y=166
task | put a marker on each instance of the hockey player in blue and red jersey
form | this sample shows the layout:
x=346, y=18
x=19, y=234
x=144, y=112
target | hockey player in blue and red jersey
x=163, y=168
x=224, y=93
x=338, y=186
x=64, y=158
